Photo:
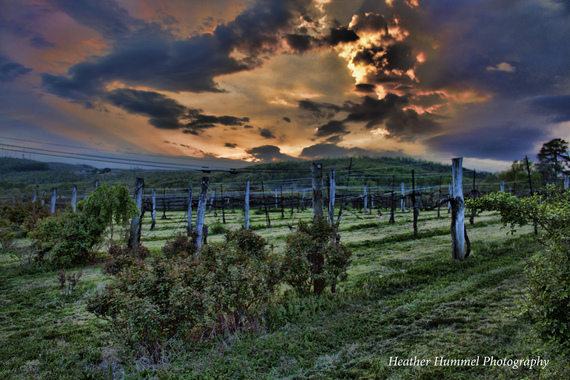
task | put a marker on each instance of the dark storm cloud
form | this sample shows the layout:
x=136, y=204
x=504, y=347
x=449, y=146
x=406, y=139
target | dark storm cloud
x=266, y=133
x=149, y=56
x=557, y=107
x=365, y=87
x=269, y=153
x=341, y=35
x=499, y=142
x=389, y=112
x=335, y=151
x=319, y=110
x=166, y=113
x=299, y=42
x=9, y=70
x=230, y=145
x=333, y=127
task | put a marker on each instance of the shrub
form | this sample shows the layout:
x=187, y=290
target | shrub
x=24, y=215
x=67, y=240
x=181, y=245
x=548, y=272
x=314, y=258
x=217, y=228
x=123, y=256
x=224, y=288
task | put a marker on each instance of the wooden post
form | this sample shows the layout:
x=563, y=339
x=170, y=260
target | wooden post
x=458, y=212
x=566, y=181
x=212, y=200
x=502, y=186
x=74, y=198
x=365, y=199
x=53, y=198
x=135, y=235
x=276, y=203
x=223, y=206
x=474, y=195
x=153, y=214
x=392, y=220
x=439, y=197
x=189, y=213
x=317, y=174
x=450, y=196
x=414, y=206
x=201, y=213
x=282, y=204
x=36, y=191
x=403, y=202
x=95, y=184
x=246, y=211
x=267, y=218
x=332, y=196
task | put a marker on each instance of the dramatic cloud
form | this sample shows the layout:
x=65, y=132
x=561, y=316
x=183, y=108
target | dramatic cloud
x=9, y=70
x=268, y=153
x=166, y=113
x=333, y=127
x=320, y=110
x=230, y=145
x=266, y=133
x=152, y=57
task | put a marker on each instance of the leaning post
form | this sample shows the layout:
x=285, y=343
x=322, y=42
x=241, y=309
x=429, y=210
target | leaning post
x=457, y=212
x=74, y=198
x=135, y=236
x=317, y=174
x=201, y=213
x=53, y=198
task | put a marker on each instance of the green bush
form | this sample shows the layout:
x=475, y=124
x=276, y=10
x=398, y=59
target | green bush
x=181, y=245
x=548, y=272
x=122, y=257
x=314, y=258
x=24, y=215
x=67, y=240
x=223, y=288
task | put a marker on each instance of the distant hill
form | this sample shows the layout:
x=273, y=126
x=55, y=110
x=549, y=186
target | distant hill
x=10, y=165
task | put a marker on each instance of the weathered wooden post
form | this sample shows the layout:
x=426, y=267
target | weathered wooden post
x=201, y=212
x=566, y=181
x=458, y=212
x=276, y=203
x=95, y=184
x=53, y=198
x=223, y=204
x=212, y=200
x=392, y=220
x=403, y=202
x=502, y=186
x=317, y=175
x=74, y=198
x=450, y=196
x=44, y=198
x=414, y=206
x=246, y=211
x=439, y=197
x=36, y=191
x=365, y=200
x=332, y=196
x=153, y=214
x=135, y=235
x=189, y=213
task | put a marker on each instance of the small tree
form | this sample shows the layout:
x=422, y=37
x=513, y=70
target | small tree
x=110, y=206
x=553, y=160
x=314, y=258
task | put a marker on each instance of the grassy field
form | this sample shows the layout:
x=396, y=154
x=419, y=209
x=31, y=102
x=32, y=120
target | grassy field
x=404, y=298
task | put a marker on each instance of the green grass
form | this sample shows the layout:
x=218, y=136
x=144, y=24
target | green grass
x=404, y=297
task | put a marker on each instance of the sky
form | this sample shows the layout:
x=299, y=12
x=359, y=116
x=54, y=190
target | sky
x=227, y=82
